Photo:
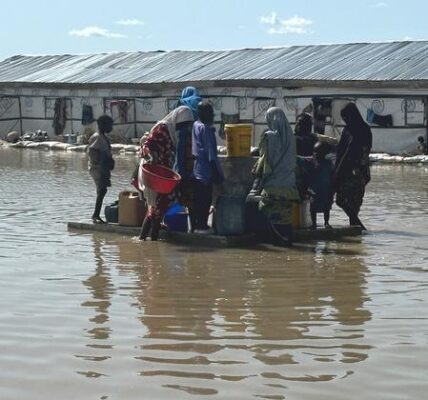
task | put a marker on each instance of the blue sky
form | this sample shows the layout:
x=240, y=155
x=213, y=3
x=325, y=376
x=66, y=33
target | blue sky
x=93, y=26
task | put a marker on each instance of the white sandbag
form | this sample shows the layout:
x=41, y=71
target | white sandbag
x=12, y=137
x=60, y=146
x=393, y=159
x=45, y=145
x=373, y=157
x=116, y=147
x=17, y=145
x=81, y=148
x=32, y=145
x=130, y=148
x=413, y=159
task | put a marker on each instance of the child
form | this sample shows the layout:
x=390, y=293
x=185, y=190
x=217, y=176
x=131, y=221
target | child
x=318, y=178
x=206, y=169
x=101, y=163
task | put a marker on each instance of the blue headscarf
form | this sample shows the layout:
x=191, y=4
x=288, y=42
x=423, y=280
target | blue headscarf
x=190, y=98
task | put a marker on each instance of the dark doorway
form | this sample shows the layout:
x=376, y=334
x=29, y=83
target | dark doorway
x=322, y=114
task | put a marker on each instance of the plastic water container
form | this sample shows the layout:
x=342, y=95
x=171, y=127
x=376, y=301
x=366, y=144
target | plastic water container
x=229, y=215
x=131, y=209
x=111, y=212
x=301, y=216
x=176, y=218
x=305, y=214
x=238, y=139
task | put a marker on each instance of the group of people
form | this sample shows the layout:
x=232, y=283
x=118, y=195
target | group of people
x=185, y=141
x=291, y=166
x=296, y=166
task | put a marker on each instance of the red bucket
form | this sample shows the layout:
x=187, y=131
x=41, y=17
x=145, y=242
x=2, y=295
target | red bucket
x=160, y=179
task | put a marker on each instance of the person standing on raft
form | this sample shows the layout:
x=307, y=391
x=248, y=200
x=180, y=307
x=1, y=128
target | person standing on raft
x=352, y=168
x=101, y=162
x=162, y=147
x=275, y=172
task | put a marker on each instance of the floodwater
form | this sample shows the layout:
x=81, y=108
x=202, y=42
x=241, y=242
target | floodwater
x=99, y=316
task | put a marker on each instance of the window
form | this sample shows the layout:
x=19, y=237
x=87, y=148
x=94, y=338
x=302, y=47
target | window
x=414, y=111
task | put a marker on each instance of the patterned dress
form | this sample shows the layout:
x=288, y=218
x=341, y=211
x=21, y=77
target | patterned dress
x=276, y=168
x=159, y=145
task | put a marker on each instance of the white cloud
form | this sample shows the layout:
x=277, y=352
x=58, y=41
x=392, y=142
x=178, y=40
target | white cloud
x=294, y=25
x=130, y=22
x=380, y=4
x=271, y=19
x=95, y=31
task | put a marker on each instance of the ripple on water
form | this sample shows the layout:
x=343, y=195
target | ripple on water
x=104, y=316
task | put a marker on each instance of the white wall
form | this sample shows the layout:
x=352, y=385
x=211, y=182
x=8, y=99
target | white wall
x=396, y=141
x=148, y=106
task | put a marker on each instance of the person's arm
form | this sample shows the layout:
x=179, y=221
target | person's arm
x=344, y=159
x=217, y=172
x=153, y=142
x=180, y=164
x=148, y=145
x=93, y=150
x=211, y=145
x=271, y=153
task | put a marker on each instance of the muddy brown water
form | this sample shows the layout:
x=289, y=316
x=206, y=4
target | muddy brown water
x=101, y=316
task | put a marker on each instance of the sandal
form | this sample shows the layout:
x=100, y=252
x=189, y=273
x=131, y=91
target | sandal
x=98, y=220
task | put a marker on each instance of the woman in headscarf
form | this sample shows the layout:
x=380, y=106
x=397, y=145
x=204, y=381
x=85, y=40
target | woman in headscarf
x=162, y=147
x=275, y=170
x=190, y=98
x=352, y=163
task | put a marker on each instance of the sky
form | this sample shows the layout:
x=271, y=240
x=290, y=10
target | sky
x=93, y=26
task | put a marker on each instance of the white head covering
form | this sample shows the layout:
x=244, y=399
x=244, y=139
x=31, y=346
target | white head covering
x=278, y=124
x=281, y=149
x=176, y=116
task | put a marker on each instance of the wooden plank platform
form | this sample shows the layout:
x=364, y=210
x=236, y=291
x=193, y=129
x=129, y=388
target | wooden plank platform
x=300, y=235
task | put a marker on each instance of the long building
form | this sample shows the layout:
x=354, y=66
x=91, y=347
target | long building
x=388, y=82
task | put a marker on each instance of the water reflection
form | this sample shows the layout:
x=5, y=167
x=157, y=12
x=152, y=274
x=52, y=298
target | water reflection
x=158, y=320
x=101, y=288
x=226, y=315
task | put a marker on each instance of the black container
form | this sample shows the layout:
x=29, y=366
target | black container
x=229, y=215
x=111, y=212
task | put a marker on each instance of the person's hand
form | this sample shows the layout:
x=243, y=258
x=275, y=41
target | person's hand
x=145, y=151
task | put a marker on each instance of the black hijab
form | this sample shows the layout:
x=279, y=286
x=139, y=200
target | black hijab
x=357, y=128
x=354, y=145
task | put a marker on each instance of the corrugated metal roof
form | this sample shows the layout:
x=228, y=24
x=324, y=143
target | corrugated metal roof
x=372, y=62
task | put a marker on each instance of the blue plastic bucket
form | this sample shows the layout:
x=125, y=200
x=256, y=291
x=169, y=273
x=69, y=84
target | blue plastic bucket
x=176, y=218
